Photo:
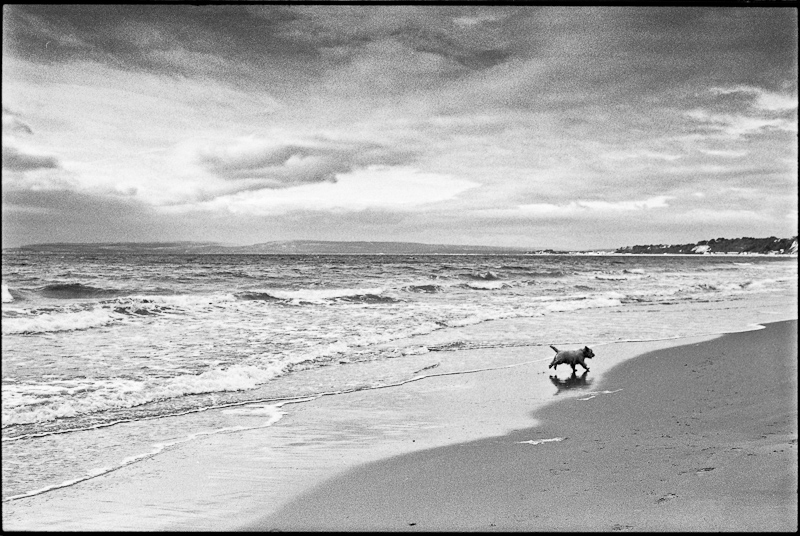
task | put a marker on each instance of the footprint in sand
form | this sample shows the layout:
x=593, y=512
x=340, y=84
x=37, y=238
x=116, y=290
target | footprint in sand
x=705, y=470
x=619, y=527
x=667, y=497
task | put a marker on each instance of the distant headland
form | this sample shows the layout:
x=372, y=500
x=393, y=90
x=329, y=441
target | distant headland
x=739, y=246
x=742, y=246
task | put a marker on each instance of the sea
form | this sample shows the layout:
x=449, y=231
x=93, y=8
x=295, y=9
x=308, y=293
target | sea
x=108, y=360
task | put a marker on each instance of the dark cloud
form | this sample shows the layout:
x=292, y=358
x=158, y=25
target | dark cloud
x=431, y=29
x=226, y=42
x=68, y=216
x=237, y=44
x=591, y=53
x=16, y=160
x=645, y=56
x=281, y=166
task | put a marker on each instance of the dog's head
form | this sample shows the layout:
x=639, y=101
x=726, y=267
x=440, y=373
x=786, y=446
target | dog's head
x=587, y=352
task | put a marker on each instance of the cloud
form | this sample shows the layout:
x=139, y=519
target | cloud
x=744, y=110
x=62, y=215
x=374, y=187
x=16, y=160
x=480, y=18
x=13, y=125
x=724, y=153
x=736, y=126
x=762, y=99
x=644, y=153
x=452, y=34
x=586, y=207
x=270, y=164
x=645, y=204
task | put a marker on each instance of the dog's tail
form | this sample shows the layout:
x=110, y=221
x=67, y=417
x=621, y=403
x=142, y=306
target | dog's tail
x=554, y=348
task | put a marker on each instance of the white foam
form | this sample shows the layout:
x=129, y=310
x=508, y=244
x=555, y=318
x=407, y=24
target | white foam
x=575, y=305
x=184, y=301
x=52, y=322
x=461, y=322
x=595, y=393
x=7, y=297
x=486, y=285
x=611, y=277
x=319, y=295
x=257, y=410
x=415, y=350
x=540, y=441
x=30, y=403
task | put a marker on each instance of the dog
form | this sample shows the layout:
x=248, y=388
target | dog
x=571, y=358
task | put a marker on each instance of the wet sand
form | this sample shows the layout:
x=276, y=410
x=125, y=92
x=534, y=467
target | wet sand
x=695, y=437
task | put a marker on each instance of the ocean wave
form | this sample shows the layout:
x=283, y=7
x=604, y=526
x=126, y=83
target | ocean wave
x=545, y=275
x=22, y=405
x=485, y=285
x=763, y=283
x=75, y=290
x=585, y=303
x=346, y=295
x=720, y=286
x=58, y=321
x=424, y=288
x=608, y=277
x=256, y=296
x=485, y=276
x=25, y=404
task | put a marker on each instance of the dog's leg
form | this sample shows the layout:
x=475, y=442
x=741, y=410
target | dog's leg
x=583, y=364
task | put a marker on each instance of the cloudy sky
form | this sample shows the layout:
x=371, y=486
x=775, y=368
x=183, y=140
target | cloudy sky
x=573, y=127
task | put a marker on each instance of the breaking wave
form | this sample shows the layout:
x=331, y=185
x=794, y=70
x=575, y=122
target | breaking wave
x=113, y=394
x=75, y=290
x=424, y=288
x=296, y=297
x=58, y=321
x=485, y=285
x=485, y=276
x=585, y=303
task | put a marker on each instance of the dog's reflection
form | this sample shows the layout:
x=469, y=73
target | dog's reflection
x=573, y=382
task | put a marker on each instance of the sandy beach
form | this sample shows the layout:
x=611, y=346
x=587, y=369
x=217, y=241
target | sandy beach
x=695, y=437
x=694, y=433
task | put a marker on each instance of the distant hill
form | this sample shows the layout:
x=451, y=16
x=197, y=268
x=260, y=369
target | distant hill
x=746, y=245
x=743, y=246
x=366, y=248
x=292, y=247
x=120, y=247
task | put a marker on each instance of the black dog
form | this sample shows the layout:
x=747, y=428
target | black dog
x=571, y=357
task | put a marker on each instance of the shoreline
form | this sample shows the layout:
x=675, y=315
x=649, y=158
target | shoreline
x=227, y=482
x=701, y=436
